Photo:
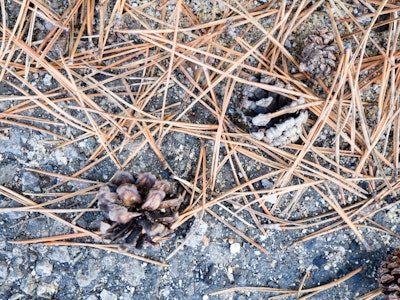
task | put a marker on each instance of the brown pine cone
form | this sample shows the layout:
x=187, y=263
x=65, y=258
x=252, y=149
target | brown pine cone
x=319, y=55
x=389, y=275
x=140, y=210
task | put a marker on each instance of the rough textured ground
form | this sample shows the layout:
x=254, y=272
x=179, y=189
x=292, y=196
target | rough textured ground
x=209, y=265
x=215, y=259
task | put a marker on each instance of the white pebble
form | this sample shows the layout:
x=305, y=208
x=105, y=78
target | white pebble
x=197, y=233
x=47, y=80
x=106, y=295
x=235, y=248
x=271, y=199
x=44, y=268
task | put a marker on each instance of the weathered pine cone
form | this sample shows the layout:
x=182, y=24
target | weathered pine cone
x=140, y=210
x=319, y=55
x=258, y=106
x=389, y=275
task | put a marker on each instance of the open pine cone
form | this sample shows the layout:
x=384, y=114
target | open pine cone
x=140, y=210
x=319, y=55
x=389, y=275
x=262, y=108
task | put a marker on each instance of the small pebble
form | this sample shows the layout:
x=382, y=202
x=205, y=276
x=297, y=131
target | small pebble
x=197, y=232
x=28, y=285
x=88, y=274
x=17, y=297
x=106, y=295
x=3, y=271
x=60, y=157
x=230, y=277
x=29, y=180
x=46, y=290
x=47, y=80
x=235, y=248
x=267, y=184
x=44, y=268
x=271, y=199
x=59, y=254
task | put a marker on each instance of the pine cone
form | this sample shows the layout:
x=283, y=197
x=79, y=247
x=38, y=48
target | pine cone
x=389, y=275
x=140, y=210
x=260, y=104
x=319, y=59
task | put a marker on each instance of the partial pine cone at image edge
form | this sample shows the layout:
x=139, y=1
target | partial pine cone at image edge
x=389, y=275
x=140, y=210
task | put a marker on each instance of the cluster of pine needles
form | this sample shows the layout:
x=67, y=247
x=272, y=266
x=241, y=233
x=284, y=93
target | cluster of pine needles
x=137, y=57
